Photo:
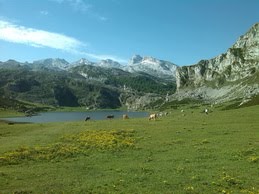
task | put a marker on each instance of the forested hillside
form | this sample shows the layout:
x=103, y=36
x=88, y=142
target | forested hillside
x=86, y=86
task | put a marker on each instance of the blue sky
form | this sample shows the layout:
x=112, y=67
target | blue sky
x=180, y=31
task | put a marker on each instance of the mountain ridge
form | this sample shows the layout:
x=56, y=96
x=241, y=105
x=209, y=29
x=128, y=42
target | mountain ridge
x=149, y=65
x=226, y=74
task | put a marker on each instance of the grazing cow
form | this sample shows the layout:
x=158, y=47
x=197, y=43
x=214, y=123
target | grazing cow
x=152, y=117
x=110, y=117
x=125, y=117
x=87, y=118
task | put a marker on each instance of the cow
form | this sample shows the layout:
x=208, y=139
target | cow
x=152, y=117
x=87, y=118
x=124, y=117
x=110, y=117
x=183, y=114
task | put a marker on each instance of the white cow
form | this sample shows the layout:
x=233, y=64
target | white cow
x=152, y=117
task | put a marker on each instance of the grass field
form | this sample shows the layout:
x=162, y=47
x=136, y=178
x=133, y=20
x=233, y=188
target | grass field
x=9, y=113
x=186, y=152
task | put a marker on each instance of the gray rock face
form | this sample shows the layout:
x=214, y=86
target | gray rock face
x=134, y=101
x=108, y=63
x=137, y=64
x=152, y=66
x=231, y=69
x=50, y=63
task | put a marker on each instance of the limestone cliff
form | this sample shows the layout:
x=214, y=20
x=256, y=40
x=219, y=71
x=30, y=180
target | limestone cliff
x=224, y=75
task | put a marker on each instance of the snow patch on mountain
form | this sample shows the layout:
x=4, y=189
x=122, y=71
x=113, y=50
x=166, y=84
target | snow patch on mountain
x=137, y=64
x=152, y=66
x=82, y=61
x=56, y=64
x=108, y=63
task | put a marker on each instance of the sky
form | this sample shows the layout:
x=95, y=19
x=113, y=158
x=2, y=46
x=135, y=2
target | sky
x=180, y=31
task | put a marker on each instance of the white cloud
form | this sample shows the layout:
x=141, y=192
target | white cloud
x=44, y=12
x=102, y=18
x=39, y=38
x=77, y=5
x=81, y=6
x=101, y=57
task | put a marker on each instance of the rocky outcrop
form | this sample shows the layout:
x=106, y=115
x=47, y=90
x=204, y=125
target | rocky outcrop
x=139, y=101
x=229, y=70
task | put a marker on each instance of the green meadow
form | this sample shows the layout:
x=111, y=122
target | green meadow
x=188, y=152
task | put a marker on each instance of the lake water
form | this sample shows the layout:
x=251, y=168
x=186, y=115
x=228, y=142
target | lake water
x=75, y=116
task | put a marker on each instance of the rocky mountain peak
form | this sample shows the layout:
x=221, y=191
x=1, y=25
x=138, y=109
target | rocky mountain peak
x=250, y=38
x=151, y=61
x=225, y=76
x=51, y=63
x=152, y=66
x=12, y=62
x=108, y=63
x=83, y=61
x=135, y=59
x=248, y=44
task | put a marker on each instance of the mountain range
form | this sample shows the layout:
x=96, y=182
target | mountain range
x=94, y=85
x=137, y=64
x=145, y=82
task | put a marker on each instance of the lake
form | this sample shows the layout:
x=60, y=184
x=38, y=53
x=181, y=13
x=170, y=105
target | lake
x=75, y=116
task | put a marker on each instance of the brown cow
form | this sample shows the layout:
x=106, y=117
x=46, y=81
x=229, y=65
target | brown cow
x=125, y=117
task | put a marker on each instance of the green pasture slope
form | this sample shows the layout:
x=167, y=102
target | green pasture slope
x=186, y=152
